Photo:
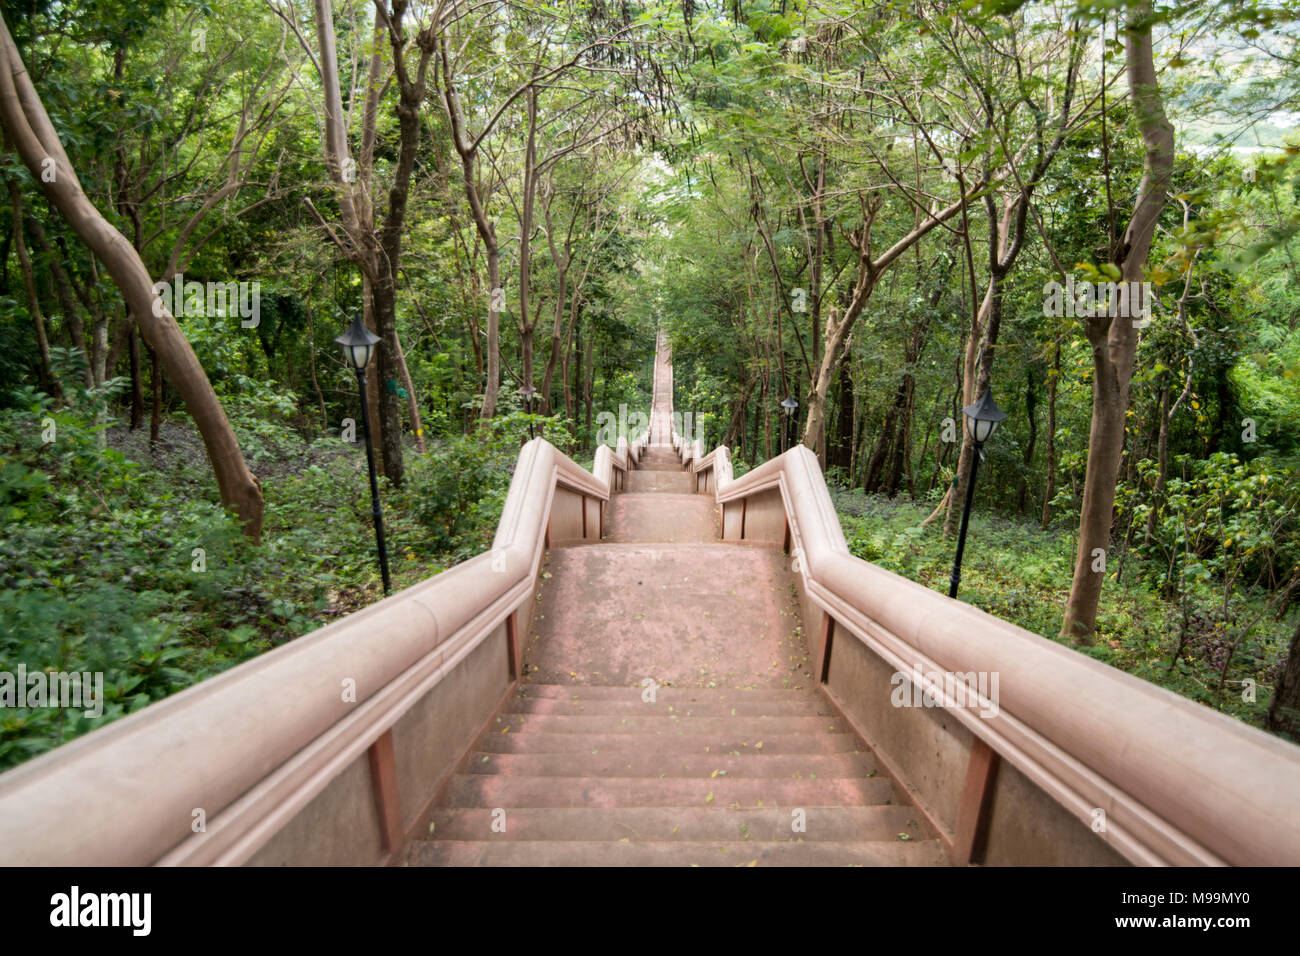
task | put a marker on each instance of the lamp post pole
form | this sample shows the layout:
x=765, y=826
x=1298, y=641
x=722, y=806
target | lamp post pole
x=965, y=520
x=358, y=344
x=788, y=405
x=528, y=391
x=982, y=420
x=375, y=510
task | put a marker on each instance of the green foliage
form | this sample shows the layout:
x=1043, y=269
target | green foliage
x=1022, y=574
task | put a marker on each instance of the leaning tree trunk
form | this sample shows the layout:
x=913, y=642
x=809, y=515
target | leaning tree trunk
x=1114, y=341
x=28, y=127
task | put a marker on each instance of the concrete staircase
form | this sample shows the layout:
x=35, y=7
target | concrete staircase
x=667, y=715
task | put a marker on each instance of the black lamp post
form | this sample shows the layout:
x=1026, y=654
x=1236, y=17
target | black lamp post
x=358, y=344
x=981, y=421
x=789, y=405
x=528, y=392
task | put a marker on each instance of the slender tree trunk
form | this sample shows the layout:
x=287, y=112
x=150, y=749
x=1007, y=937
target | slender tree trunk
x=391, y=360
x=1114, y=341
x=63, y=289
x=137, y=382
x=1031, y=405
x=467, y=148
x=49, y=381
x=1162, y=460
x=155, y=409
x=1284, y=709
x=1053, y=377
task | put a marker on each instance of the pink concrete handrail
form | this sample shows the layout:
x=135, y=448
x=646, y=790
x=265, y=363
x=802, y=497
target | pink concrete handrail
x=252, y=746
x=1179, y=783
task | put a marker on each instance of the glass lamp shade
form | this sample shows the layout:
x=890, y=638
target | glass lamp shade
x=359, y=355
x=358, y=344
x=789, y=404
x=983, y=417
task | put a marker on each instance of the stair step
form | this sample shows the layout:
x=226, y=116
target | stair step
x=501, y=790
x=750, y=729
x=750, y=764
x=658, y=481
x=682, y=853
x=663, y=695
x=689, y=615
x=733, y=705
x=576, y=743
x=586, y=824
x=662, y=517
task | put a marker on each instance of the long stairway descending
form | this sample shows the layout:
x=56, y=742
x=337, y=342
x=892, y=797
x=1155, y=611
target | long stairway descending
x=736, y=758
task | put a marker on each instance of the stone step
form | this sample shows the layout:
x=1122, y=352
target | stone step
x=673, y=482
x=668, y=853
x=733, y=705
x=689, y=615
x=650, y=517
x=503, y=790
x=663, y=695
x=648, y=763
x=677, y=824
x=751, y=729
x=493, y=741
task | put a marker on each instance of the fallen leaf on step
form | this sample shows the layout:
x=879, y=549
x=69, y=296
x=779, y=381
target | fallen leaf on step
x=709, y=798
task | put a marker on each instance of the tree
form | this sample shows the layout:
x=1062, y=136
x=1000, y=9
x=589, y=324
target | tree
x=1114, y=341
x=28, y=127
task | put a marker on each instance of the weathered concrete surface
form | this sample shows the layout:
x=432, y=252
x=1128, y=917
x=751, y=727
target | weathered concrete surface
x=673, y=482
x=703, y=615
x=735, y=853
x=734, y=759
x=678, y=824
x=663, y=519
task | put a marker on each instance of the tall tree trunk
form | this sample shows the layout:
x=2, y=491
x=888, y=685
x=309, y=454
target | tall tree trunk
x=28, y=127
x=49, y=381
x=1162, y=459
x=1031, y=405
x=1006, y=239
x=1284, y=709
x=155, y=409
x=1114, y=341
x=137, y=382
x=392, y=361
x=467, y=148
x=527, y=321
x=1053, y=377
x=844, y=438
x=63, y=289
